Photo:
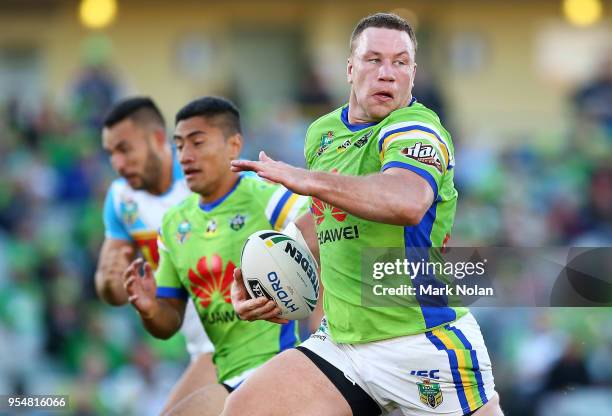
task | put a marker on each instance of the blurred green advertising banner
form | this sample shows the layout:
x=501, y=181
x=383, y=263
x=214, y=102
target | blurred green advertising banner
x=487, y=276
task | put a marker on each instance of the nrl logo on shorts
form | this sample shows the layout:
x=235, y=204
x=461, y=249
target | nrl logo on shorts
x=423, y=153
x=430, y=393
x=237, y=222
x=326, y=140
x=183, y=231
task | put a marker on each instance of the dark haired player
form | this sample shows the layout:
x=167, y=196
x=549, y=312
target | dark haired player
x=134, y=135
x=200, y=244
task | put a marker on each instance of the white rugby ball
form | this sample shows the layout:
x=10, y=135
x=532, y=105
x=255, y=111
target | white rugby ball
x=276, y=266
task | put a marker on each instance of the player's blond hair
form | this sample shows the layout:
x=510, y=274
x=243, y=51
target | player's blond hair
x=383, y=20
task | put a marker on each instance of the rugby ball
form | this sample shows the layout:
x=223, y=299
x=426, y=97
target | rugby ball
x=280, y=268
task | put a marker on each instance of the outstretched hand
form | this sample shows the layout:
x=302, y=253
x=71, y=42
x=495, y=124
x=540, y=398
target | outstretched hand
x=294, y=179
x=253, y=309
x=141, y=291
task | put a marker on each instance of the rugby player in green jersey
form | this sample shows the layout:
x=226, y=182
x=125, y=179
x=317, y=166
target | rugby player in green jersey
x=200, y=243
x=380, y=175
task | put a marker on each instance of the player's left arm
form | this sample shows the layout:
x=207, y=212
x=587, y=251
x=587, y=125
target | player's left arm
x=396, y=196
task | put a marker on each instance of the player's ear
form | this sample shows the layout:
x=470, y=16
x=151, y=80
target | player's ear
x=349, y=70
x=159, y=137
x=235, y=145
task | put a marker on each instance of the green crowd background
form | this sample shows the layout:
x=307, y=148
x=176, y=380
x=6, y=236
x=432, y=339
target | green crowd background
x=534, y=169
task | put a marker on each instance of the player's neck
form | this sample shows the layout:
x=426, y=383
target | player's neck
x=357, y=115
x=165, y=177
x=227, y=184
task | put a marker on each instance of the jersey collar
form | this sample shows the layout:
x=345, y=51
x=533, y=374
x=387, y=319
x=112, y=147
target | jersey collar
x=209, y=206
x=360, y=126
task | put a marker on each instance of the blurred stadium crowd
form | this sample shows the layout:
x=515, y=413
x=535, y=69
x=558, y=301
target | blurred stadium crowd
x=57, y=337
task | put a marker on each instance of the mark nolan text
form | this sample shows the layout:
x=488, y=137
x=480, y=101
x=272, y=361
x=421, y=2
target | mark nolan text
x=431, y=290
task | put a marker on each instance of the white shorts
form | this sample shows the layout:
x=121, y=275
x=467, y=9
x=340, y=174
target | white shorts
x=446, y=371
x=235, y=382
x=195, y=335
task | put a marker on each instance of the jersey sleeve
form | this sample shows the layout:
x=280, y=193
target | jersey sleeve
x=417, y=147
x=168, y=283
x=308, y=148
x=113, y=226
x=283, y=206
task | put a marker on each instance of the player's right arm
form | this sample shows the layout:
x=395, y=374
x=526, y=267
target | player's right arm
x=261, y=308
x=115, y=257
x=249, y=309
x=284, y=210
x=160, y=300
x=116, y=253
x=161, y=317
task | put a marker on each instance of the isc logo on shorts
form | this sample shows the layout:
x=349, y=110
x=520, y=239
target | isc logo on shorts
x=432, y=374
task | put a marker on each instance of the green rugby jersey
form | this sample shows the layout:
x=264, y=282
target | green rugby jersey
x=409, y=138
x=199, y=247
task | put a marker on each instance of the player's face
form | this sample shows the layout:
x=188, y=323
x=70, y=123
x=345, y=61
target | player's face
x=133, y=154
x=381, y=72
x=205, y=153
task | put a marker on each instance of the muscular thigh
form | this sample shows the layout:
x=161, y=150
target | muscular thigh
x=288, y=384
x=206, y=401
x=200, y=373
